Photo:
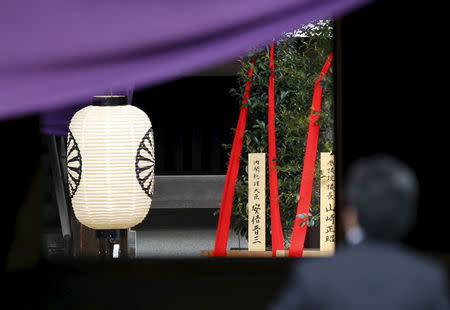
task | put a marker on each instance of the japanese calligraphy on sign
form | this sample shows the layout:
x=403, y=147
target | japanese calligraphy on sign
x=327, y=202
x=256, y=201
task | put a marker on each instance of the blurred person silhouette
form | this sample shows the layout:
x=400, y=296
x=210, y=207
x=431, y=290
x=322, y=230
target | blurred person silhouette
x=373, y=270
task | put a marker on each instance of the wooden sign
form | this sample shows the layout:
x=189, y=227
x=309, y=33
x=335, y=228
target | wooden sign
x=256, y=201
x=327, y=202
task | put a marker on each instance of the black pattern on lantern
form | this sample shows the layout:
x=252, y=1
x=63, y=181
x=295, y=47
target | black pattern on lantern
x=74, y=164
x=145, y=163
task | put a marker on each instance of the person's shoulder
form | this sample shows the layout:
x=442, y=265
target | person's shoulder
x=374, y=256
x=359, y=269
x=425, y=264
x=411, y=258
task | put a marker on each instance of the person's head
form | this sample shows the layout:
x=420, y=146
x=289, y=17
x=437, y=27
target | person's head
x=381, y=196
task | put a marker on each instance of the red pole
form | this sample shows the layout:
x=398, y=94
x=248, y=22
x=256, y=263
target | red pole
x=275, y=219
x=309, y=164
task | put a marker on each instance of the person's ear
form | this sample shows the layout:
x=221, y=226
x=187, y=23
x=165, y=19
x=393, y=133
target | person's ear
x=349, y=217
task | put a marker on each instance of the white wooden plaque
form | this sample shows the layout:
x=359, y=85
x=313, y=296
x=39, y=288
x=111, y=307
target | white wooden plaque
x=256, y=201
x=327, y=202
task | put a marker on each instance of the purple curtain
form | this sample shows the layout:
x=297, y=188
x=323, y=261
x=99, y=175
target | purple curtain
x=56, y=121
x=56, y=53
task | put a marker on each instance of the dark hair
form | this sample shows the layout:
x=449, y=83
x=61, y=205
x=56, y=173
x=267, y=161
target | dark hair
x=384, y=191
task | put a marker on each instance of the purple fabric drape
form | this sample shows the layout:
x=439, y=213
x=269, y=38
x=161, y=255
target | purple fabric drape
x=54, y=53
x=56, y=121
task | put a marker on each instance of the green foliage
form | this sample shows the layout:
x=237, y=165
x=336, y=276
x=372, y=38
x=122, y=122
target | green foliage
x=298, y=63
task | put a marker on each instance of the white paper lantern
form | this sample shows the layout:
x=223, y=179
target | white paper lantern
x=110, y=160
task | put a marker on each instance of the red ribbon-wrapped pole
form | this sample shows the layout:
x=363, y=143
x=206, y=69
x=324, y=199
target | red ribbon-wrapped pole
x=275, y=219
x=309, y=164
x=226, y=206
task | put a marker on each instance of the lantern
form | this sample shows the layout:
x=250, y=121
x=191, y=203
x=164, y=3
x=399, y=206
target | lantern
x=110, y=161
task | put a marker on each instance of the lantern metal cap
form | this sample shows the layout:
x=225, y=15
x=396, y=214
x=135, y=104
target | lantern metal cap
x=109, y=100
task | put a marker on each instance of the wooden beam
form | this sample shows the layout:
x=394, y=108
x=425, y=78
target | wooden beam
x=268, y=254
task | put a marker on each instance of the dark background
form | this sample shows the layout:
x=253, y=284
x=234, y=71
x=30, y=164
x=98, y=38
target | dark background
x=191, y=118
x=393, y=99
x=391, y=93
